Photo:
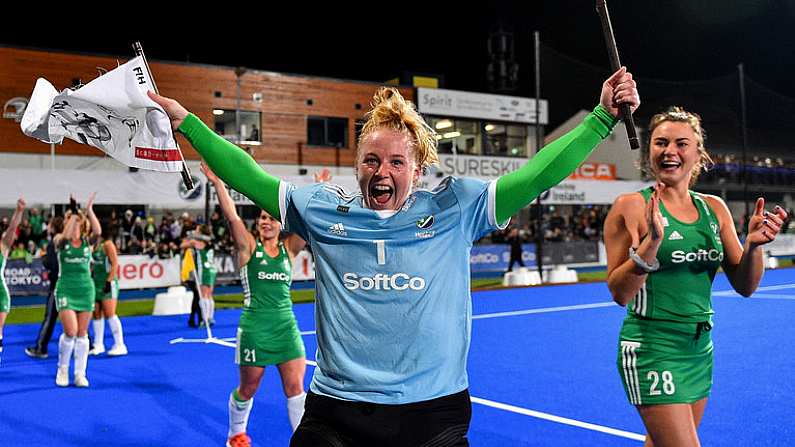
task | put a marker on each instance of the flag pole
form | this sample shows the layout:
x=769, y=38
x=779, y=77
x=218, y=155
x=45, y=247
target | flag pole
x=187, y=180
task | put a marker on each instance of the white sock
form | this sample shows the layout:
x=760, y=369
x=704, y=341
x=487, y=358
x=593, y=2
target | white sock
x=65, y=347
x=238, y=414
x=99, y=331
x=205, y=308
x=81, y=355
x=116, y=330
x=295, y=409
x=212, y=308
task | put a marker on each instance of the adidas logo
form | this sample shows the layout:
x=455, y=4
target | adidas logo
x=675, y=236
x=337, y=229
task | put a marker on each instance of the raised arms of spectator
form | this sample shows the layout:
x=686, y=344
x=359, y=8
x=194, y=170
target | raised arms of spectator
x=244, y=241
x=11, y=232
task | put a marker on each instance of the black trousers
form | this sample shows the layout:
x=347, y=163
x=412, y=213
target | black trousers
x=47, y=324
x=329, y=422
x=515, y=258
x=194, y=307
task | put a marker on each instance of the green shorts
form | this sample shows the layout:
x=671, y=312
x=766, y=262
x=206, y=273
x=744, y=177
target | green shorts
x=665, y=362
x=5, y=298
x=271, y=340
x=76, y=299
x=99, y=291
x=208, y=277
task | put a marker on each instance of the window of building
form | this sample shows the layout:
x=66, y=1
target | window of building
x=327, y=131
x=506, y=140
x=472, y=137
x=250, y=131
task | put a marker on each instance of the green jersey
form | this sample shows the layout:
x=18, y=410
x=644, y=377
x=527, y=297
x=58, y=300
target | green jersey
x=266, y=281
x=101, y=267
x=268, y=333
x=74, y=265
x=689, y=257
x=5, y=295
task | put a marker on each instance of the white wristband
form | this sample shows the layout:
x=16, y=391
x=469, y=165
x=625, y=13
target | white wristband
x=640, y=262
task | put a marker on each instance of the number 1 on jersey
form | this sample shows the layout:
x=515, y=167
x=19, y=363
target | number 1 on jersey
x=380, y=246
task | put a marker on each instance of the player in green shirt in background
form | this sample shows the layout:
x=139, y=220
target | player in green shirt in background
x=74, y=291
x=268, y=333
x=6, y=242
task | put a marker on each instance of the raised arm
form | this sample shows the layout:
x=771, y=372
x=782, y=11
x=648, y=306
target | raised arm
x=244, y=241
x=96, y=228
x=11, y=232
x=744, y=263
x=187, y=243
x=113, y=258
x=71, y=230
x=560, y=158
x=231, y=163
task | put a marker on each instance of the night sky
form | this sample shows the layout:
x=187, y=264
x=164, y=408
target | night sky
x=682, y=40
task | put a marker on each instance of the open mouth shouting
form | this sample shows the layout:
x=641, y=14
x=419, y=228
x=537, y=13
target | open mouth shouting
x=381, y=194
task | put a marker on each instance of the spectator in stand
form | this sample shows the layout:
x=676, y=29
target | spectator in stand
x=18, y=252
x=218, y=226
x=114, y=227
x=188, y=225
x=138, y=227
x=149, y=247
x=36, y=225
x=150, y=229
x=127, y=225
x=164, y=230
x=176, y=229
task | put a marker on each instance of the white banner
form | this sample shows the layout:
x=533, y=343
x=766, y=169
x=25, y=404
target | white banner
x=165, y=190
x=477, y=166
x=441, y=102
x=138, y=272
x=583, y=192
x=112, y=113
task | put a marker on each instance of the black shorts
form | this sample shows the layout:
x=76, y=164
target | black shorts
x=329, y=422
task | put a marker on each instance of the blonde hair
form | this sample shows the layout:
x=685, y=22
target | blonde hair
x=678, y=114
x=389, y=110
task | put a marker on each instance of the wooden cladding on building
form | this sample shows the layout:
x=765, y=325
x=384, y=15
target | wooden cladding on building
x=287, y=101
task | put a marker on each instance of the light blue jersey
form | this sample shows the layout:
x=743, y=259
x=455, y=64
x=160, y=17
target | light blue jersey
x=393, y=309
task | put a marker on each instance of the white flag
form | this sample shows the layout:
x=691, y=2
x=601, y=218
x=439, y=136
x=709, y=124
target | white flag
x=112, y=113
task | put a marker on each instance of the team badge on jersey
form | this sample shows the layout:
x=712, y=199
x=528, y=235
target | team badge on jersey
x=258, y=254
x=425, y=222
